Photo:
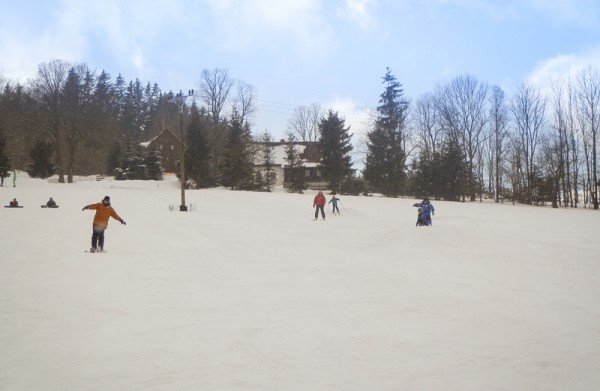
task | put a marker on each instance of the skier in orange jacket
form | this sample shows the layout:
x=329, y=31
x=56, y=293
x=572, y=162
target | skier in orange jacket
x=103, y=212
x=319, y=203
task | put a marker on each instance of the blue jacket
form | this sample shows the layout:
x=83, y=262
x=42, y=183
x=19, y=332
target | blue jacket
x=426, y=208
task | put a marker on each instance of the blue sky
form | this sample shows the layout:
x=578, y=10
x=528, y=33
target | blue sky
x=298, y=52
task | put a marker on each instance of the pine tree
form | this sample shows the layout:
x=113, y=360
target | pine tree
x=269, y=177
x=335, y=146
x=4, y=159
x=452, y=172
x=41, y=154
x=114, y=160
x=237, y=169
x=132, y=166
x=197, y=153
x=296, y=181
x=385, y=162
x=153, y=165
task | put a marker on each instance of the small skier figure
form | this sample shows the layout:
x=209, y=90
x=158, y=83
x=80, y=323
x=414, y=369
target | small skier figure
x=319, y=203
x=103, y=212
x=427, y=210
x=334, y=200
x=51, y=203
x=14, y=203
x=420, y=221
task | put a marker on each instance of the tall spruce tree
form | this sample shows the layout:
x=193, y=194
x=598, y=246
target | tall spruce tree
x=41, y=165
x=197, y=154
x=269, y=176
x=386, y=157
x=237, y=170
x=154, y=168
x=296, y=181
x=4, y=159
x=114, y=160
x=335, y=146
x=452, y=172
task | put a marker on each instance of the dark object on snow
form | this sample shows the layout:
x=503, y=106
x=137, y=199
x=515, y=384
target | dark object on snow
x=8, y=206
x=50, y=204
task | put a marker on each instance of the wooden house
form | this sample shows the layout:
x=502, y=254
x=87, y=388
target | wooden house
x=169, y=147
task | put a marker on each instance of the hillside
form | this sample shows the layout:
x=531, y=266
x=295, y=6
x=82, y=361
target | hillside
x=247, y=292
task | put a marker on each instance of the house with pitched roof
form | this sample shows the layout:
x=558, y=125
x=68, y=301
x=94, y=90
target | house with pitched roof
x=308, y=152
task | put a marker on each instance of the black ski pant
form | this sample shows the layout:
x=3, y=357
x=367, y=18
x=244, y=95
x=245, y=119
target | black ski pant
x=322, y=209
x=335, y=207
x=98, y=236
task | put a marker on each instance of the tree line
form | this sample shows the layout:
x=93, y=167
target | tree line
x=465, y=140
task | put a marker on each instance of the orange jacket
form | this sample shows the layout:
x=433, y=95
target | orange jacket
x=103, y=213
x=319, y=200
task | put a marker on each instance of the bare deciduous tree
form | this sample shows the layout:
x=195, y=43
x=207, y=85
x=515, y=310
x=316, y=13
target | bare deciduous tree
x=215, y=86
x=425, y=119
x=528, y=109
x=462, y=107
x=588, y=95
x=499, y=133
x=47, y=89
x=305, y=122
x=244, y=101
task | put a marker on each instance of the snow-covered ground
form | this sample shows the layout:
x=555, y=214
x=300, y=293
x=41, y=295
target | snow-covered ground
x=249, y=293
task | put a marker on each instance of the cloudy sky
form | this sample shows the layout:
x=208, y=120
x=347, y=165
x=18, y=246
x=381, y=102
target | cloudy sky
x=296, y=52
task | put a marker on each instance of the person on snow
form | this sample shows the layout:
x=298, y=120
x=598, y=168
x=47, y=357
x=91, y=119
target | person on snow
x=427, y=210
x=334, y=200
x=103, y=212
x=51, y=203
x=319, y=203
x=420, y=221
x=14, y=203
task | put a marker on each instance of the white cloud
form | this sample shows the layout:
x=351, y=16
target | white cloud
x=562, y=67
x=359, y=12
x=272, y=24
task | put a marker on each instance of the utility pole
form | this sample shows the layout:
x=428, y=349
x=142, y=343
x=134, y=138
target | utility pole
x=180, y=99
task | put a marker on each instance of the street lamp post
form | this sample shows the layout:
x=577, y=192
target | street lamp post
x=180, y=99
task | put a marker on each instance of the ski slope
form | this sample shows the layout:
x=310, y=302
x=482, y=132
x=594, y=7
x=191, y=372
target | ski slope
x=249, y=293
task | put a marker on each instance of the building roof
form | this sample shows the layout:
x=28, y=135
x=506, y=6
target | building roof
x=308, y=150
x=146, y=144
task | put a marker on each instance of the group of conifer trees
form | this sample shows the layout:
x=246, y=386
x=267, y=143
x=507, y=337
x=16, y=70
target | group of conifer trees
x=465, y=140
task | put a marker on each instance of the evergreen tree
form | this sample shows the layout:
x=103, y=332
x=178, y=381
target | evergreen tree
x=335, y=146
x=133, y=165
x=114, y=160
x=452, y=172
x=4, y=159
x=269, y=177
x=385, y=162
x=41, y=155
x=237, y=169
x=197, y=153
x=153, y=165
x=296, y=181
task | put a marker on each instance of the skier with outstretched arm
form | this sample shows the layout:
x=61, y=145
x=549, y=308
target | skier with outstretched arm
x=334, y=201
x=104, y=211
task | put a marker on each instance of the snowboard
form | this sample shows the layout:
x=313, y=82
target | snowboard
x=8, y=206
x=50, y=207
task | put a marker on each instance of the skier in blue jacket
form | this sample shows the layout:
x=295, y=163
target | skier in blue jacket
x=427, y=210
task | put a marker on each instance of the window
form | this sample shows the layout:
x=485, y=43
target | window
x=172, y=147
x=318, y=173
x=307, y=173
x=161, y=147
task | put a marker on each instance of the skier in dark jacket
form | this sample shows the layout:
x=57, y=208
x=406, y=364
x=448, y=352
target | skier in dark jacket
x=14, y=203
x=427, y=210
x=334, y=200
x=103, y=212
x=51, y=203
